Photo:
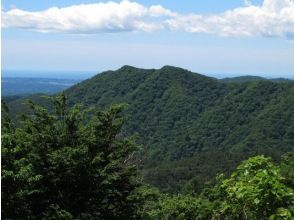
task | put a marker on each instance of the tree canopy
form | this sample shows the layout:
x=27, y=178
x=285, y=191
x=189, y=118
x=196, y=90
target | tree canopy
x=67, y=164
x=191, y=126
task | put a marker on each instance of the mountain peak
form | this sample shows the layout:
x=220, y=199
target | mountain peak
x=127, y=67
x=165, y=68
x=173, y=70
x=168, y=67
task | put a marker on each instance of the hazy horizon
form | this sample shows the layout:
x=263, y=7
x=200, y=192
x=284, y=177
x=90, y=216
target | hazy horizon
x=84, y=74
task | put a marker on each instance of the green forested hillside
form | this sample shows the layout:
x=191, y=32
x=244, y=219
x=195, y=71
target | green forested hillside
x=191, y=126
x=62, y=163
x=162, y=103
x=243, y=79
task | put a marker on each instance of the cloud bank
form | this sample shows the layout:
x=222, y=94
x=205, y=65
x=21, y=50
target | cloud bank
x=274, y=18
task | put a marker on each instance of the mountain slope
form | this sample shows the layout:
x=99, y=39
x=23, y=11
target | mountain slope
x=244, y=79
x=174, y=109
x=193, y=126
x=162, y=103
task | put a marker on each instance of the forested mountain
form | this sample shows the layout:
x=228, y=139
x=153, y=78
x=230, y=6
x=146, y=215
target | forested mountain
x=191, y=126
x=63, y=163
x=242, y=79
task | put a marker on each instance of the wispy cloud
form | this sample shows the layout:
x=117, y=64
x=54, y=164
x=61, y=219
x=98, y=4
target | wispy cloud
x=274, y=18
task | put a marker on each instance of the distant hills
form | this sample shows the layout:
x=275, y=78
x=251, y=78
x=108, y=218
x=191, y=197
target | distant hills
x=12, y=86
x=191, y=125
x=25, y=86
x=242, y=79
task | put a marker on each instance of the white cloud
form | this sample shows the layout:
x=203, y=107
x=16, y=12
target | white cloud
x=274, y=18
x=88, y=18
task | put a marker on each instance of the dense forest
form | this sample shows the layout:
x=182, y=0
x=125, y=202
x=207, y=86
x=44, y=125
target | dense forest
x=68, y=162
x=191, y=127
x=151, y=144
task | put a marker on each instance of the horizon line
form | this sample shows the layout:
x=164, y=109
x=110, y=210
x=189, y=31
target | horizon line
x=218, y=75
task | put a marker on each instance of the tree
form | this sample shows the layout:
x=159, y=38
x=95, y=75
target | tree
x=287, y=171
x=67, y=164
x=255, y=191
x=181, y=207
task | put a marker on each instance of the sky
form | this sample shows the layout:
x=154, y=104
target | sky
x=214, y=37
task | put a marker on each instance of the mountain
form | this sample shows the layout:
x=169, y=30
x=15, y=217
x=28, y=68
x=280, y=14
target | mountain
x=243, y=79
x=191, y=126
x=162, y=103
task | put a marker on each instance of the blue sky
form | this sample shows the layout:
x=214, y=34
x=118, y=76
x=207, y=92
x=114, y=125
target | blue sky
x=202, y=36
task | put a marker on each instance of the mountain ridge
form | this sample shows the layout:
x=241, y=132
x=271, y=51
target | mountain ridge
x=251, y=78
x=183, y=117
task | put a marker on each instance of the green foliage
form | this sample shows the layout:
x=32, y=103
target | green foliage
x=283, y=214
x=183, y=118
x=287, y=165
x=181, y=207
x=67, y=165
x=254, y=191
x=192, y=126
x=244, y=79
x=146, y=197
